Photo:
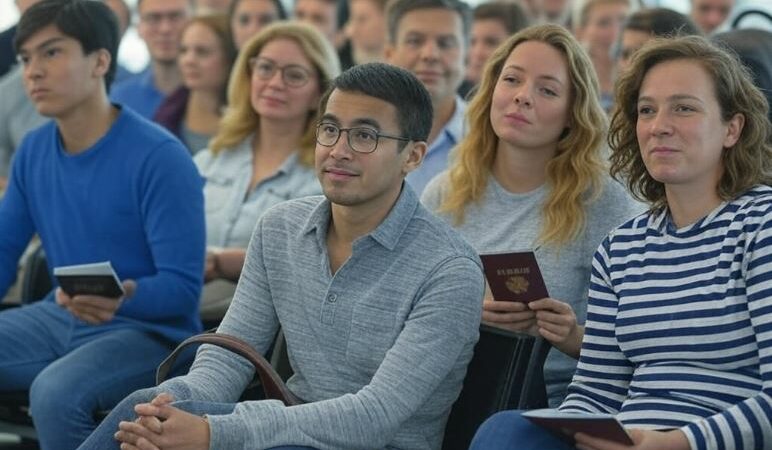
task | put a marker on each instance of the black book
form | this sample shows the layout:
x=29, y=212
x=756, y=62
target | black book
x=90, y=279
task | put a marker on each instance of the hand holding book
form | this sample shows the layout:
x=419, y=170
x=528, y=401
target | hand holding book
x=91, y=292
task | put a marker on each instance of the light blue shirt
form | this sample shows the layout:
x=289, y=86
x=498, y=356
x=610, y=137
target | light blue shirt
x=232, y=210
x=139, y=93
x=436, y=159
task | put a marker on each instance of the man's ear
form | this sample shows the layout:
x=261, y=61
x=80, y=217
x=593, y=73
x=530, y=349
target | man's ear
x=416, y=150
x=103, y=60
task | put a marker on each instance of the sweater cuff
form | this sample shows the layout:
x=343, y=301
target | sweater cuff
x=259, y=424
x=695, y=436
x=226, y=432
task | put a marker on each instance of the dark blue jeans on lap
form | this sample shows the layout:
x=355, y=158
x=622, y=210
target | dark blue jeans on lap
x=72, y=369
x=510, y=430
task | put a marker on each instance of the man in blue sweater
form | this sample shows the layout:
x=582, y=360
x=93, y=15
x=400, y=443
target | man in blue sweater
x=379, y=301
x=97, y=183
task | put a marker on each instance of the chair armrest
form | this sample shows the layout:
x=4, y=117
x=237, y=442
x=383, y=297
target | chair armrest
x=273, y=386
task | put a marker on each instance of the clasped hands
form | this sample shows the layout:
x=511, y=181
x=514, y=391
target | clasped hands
x=94, y=309
x=161, y=426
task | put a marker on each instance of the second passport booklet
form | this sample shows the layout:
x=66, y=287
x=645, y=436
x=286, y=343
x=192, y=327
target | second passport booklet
x=514, y=276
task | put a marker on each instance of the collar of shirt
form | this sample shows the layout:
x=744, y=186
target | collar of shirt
x=387, y=233
x=454, y=130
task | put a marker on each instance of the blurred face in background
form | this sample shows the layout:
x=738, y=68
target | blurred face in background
x=709, y=14
x=249, y=17
x=632, y=40
x=320, y=14
x=366, y=26
x=430, y=43
x=604, y=24
x=285, y=84
x=202, y=59
x=487, y=35
x=160, y=26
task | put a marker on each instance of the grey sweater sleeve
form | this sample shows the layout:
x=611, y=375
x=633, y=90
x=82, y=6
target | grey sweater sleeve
x=429, y=346
x=437, y=338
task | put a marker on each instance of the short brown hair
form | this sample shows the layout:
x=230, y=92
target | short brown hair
x=748, y=163
x=396, y=10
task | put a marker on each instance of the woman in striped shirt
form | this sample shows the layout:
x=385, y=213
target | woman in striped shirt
x=678, y=340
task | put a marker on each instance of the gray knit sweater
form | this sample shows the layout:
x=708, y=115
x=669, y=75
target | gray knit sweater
x=379, y=349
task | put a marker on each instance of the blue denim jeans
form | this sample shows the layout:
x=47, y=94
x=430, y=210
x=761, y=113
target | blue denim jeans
x=510, y=430
x=102, y=438
x=72, y=369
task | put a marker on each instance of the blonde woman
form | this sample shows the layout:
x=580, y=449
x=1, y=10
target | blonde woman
x=530, y=175
x=264, y=149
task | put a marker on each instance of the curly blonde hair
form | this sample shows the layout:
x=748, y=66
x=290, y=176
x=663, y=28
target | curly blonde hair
x=240, y=118
x=750, y=160
x=574, y=174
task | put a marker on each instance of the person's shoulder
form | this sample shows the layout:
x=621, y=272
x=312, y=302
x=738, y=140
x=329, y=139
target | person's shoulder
x=439, y=238
x=614, y=202
x=294, y=212
x=144, y=135
x=754, y=203
x=434, y=192
x=39, y=137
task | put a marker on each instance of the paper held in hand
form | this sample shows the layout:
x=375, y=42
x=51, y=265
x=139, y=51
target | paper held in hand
x=604, y=426
x=514, y=276
x=90, y=279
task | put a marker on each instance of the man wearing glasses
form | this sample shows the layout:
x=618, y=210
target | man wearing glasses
x=160, y=26
x=379, y=301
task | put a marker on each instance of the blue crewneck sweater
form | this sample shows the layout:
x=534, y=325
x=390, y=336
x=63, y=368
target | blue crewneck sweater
x=134, y=198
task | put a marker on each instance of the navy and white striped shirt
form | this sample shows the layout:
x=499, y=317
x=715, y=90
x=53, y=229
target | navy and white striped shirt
x=679, y=326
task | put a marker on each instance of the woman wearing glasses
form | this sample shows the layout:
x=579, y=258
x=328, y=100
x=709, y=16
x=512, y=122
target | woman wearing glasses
x=263, y=151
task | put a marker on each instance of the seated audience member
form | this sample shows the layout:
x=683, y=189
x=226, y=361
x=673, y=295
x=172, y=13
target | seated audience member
x=530, y=175
x=17, y=112
x=754, y=47
x=329, y=17
x=677, y=343
x=366, y=30
x=160, y=26
x=248, y=17
x=263, y=153
x=646, y=24
x=492, y=24
x=598, y=28
x=381, y=329
x=710, y=14
x=429, y=38
x=207, y=53
x=98, y=183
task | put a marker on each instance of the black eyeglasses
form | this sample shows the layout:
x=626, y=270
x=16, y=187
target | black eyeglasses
x=360, y=139
x=292, y=75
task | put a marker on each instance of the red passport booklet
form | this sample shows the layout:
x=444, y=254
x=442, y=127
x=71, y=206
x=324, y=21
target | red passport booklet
x=514, y=276
x=604, y=426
